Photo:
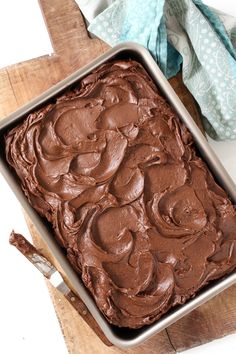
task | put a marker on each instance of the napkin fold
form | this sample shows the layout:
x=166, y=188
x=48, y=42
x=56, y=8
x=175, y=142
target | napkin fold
x=183, y=33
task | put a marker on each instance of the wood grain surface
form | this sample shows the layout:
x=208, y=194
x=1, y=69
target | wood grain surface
x=21, y=82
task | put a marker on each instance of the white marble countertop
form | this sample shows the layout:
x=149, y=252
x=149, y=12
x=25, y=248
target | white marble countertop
x=28, y=324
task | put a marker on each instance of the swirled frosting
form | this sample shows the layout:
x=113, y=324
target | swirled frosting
x=139, y=214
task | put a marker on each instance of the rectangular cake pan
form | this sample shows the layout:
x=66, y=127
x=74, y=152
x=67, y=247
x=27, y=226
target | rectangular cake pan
x=121, y=337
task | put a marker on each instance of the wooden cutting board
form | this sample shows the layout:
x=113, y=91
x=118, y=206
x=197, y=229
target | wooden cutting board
x=21, y=82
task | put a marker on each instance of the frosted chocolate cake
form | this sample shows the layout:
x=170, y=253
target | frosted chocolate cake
x=139, y=214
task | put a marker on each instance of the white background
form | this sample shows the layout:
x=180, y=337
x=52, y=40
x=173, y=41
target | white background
x=28, y=324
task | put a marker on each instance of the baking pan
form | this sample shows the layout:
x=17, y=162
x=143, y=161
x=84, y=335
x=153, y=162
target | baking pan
x=121, y=337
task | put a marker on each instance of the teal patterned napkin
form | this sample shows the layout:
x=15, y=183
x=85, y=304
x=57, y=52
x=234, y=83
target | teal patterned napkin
x=183, y=32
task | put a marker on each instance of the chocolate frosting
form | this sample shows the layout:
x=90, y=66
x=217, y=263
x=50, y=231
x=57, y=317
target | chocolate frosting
x=22, y=244
x=111, y=166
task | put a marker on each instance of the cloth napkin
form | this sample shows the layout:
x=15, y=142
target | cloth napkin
x=180, y=32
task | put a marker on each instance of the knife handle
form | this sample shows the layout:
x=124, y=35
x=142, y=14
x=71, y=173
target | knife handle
x=80, y=307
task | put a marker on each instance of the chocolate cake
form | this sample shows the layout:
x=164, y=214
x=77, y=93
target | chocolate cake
x=116, y=173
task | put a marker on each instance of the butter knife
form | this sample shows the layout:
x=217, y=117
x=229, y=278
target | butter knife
x=55, y=278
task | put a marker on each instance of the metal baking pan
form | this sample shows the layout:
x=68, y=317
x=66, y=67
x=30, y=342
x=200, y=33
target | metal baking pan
x=122, y=338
